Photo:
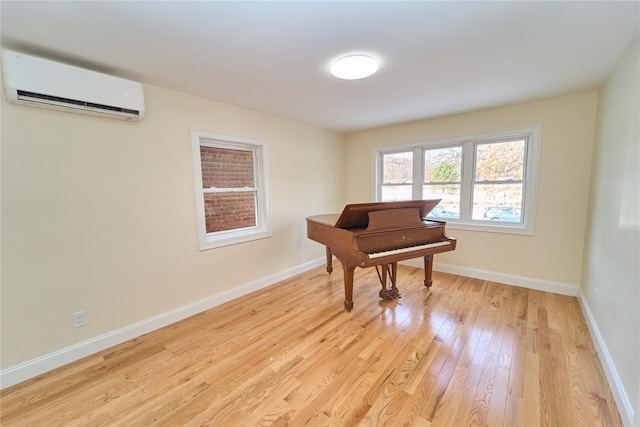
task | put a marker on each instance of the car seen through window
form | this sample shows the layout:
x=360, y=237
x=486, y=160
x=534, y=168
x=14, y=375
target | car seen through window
x=503, y=213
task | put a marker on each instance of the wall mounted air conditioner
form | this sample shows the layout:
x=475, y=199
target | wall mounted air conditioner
x=46, y=84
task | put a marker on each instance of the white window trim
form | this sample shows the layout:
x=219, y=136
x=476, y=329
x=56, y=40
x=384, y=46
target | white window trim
x=532, y=161
x=261, y=168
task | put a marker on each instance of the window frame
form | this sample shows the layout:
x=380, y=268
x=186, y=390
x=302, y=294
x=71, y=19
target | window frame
x=533, y=136
x=262, y=229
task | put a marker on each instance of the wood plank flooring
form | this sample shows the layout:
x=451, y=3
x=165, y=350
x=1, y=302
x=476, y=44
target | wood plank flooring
x=466, y=352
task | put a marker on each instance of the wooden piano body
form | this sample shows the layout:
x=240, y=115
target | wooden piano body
x=380, y=234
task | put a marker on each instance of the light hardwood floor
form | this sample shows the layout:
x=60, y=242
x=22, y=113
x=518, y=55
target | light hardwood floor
x=465, y=352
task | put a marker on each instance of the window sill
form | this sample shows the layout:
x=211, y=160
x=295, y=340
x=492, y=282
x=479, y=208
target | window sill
x=232, y=237
x=493, y=227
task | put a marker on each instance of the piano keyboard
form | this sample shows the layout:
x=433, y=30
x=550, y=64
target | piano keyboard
x=408, y=249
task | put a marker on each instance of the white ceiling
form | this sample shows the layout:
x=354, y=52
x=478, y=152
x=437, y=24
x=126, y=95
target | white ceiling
x=437, y=58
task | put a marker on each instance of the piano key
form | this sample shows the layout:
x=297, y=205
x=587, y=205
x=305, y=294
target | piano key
x=407, y=249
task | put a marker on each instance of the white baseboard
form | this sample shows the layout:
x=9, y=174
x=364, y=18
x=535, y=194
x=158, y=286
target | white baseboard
x=508, y=279
x=24, y=371
x=617, y=388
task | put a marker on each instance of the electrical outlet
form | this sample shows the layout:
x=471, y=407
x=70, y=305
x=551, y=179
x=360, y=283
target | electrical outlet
x=79, y=319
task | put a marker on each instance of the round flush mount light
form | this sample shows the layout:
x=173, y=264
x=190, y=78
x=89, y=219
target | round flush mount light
x=354, y=67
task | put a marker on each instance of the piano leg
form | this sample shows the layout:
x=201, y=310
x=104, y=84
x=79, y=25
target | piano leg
x=428, y=268
x=348, y=285
x=329, y=260
x=394, y=274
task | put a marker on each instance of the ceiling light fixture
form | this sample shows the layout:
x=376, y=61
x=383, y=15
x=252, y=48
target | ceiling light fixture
x=354, y=67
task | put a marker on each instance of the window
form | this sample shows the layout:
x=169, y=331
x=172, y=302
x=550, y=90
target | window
x=231, y=189
x=485, y=182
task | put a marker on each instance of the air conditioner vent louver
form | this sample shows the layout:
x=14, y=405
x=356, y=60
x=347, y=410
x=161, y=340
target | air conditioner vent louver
x=66, y=102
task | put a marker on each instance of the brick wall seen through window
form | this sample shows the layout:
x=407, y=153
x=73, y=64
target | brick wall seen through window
x=228, y=169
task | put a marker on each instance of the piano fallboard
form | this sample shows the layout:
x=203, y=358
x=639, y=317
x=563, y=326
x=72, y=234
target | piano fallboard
x=376, y=241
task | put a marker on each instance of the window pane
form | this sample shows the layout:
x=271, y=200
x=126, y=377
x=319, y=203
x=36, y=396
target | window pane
x=449, y=207
x=398, y=168
x=226, y=168
x=228, y=211
x=393, y=193
x=442, y=174
x=497, y=202
x=443, y=165
x=500, y=161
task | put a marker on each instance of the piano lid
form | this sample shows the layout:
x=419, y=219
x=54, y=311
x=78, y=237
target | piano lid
x=357, y=215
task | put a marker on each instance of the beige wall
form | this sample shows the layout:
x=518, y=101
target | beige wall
x=99, y=215
x=612, y=251
x=554, y=253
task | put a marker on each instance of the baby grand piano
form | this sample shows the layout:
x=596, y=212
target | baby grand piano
x=380, y=234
